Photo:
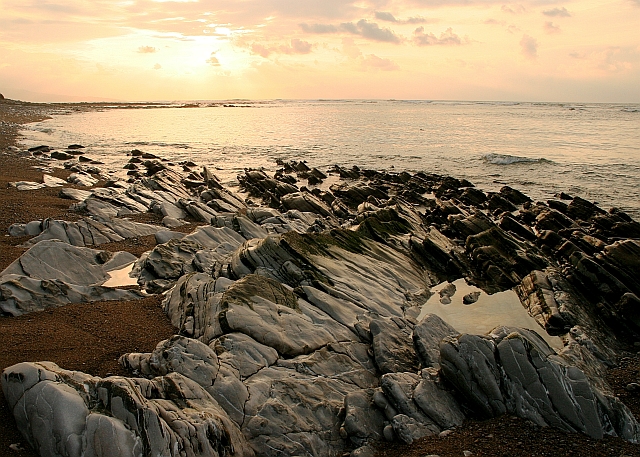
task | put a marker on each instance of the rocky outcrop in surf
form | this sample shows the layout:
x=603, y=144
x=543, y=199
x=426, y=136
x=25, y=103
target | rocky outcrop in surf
x=301, y=324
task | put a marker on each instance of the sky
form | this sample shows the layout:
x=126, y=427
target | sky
x=143, y=50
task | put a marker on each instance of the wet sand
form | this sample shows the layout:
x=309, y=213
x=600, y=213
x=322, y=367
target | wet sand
x=91, y=337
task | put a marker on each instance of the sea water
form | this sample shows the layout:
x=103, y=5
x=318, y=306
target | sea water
x=542, y=149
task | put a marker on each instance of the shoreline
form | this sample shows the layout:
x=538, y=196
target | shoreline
x=38, y=336
x=87, y=337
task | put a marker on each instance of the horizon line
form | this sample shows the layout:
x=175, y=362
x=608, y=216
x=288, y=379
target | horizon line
x=97, y=101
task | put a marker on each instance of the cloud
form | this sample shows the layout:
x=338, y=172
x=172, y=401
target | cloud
x=147, y=50
x=551, y=28
x=419, y=20
x=157, y=66
x=300, y=47
x=297, y=46
x=529, y=46
x=385, y=16
x=429, y=39
x=388, y=17
x=557, y=12
x=213, y=60
x=363, y=28
x=371, y=31
x=319, y=28
x=378, y=63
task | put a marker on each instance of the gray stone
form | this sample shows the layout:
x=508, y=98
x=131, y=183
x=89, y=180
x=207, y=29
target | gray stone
x=537, y=296
x=27, y=185
x=193, y=305
x=407, y=429
x=52, y=181
x=20, y=294
x=272, y=315
x=247, y=228
x=305, y=202
x=196, y=252
x=170, y=210
x=427, y=336
x=33, y=228
x=178, y=354
x=347, y=362
x=79, y=414
x=364, y=451
x=75, y=194
x=56, y=260
x=82, y=179
x=399, y=388
x=468, y=362
x=515, y=371
x=170, y=222
x=471, y=298
x=163, y=236
x=392, y=345
x=289, y=413
x=388, y=433
x=438, y=404
x=199, y=211
x=446, y=293
x=363, y=421
x=344, y=311
x=243, y=353
x=59, y=155
x=17, y=230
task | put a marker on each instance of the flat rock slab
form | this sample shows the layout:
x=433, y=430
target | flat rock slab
x=53, y=273
x=56, y=260
x=91, y=232
x=272, y=315
x=20, y=294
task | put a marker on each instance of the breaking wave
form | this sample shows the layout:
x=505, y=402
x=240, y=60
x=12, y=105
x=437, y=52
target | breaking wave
x=506, y=159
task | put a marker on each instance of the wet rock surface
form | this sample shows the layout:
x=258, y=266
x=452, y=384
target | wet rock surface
x=300, y=324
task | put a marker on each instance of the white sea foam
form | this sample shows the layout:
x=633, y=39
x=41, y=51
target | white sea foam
x=506, y=159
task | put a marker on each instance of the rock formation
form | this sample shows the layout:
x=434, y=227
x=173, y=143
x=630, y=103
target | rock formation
x=300, y=323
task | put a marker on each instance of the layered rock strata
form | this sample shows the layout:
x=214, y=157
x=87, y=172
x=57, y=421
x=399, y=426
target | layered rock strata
x=300, y=323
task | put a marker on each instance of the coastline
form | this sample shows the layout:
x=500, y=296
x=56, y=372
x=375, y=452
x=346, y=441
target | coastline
x=101, y=332
x=85, y=337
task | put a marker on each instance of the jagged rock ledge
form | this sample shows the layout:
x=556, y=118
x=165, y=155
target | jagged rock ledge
x=303, y=323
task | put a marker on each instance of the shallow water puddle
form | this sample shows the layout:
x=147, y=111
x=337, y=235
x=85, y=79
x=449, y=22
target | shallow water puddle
x=121, y=278
x=490, y=311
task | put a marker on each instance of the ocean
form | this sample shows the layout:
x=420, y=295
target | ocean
x=542, y=149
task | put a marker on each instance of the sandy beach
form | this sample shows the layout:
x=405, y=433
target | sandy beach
x=90, y=337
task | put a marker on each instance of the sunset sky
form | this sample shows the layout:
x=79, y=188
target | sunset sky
x=540, y=50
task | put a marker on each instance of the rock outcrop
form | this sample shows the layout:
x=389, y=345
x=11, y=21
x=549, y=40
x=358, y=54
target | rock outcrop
x=302, y=324
x=53, y=273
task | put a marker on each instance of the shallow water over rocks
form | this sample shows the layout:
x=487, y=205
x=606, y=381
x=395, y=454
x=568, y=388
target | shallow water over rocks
x=487, y=313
